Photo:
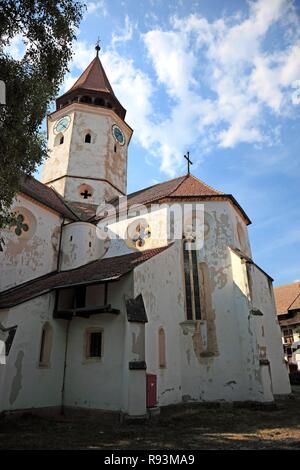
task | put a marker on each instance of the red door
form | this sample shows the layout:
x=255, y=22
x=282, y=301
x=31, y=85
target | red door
x=151, y=390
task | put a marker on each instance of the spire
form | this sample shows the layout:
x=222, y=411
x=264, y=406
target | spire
x=98, y=48
x=93, y=87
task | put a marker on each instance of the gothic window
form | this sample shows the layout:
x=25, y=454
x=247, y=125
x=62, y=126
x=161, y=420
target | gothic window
x=87, y=138
x=161, y=348
x=93, y=346
x=20, y=225
x=46, y=345
x=191, y=277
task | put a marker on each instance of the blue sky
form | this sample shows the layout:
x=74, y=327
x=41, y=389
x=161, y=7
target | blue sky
x=220, y=78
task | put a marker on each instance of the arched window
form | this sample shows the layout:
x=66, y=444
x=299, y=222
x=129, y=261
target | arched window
x=99, y=102
x=191, y=278
x=161, y=348
x=87, y=138
x=46, y=345
x=85, y=99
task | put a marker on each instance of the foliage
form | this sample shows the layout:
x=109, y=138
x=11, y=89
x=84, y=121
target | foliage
x=48, y=29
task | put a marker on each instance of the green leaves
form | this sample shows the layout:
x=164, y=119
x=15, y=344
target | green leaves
x=48, y=29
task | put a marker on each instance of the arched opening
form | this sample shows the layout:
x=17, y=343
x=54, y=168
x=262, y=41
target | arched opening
x=59, y=139
x=161, y=348
x=99, y=102
x=46, y=345
x=85, y=99
x=88, y=138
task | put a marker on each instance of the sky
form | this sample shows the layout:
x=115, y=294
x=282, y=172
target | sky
x=220, y=78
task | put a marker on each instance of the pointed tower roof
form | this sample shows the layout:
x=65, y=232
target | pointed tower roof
x=93, y=88
x=93, y=78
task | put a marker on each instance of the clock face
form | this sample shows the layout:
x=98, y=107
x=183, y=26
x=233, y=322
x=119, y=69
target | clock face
x=118, y=134
x=62, y=125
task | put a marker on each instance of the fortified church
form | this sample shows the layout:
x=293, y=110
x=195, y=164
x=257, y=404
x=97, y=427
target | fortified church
x=105, y=309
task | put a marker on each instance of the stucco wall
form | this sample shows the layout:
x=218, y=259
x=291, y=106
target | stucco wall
x=23, y=383
x=34, y=253
x=229, y=368
x=99, y=384
x=103, y=158
x=268, y=330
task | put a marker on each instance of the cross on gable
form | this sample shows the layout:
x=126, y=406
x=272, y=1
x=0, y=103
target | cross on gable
x=85, y=194
x=189, y=162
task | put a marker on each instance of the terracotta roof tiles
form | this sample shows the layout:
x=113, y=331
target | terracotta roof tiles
x=96, y=271
x=287, y=298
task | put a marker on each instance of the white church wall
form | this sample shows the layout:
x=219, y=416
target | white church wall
x=159, y=281
x=80, y=245
x=154, y=224
x=268, y=330
x=231, y=370
x=24, y=383
x=99, y=383
x=33, y=253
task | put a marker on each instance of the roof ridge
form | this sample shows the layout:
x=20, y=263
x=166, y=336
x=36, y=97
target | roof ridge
x=179, y=184
x=153, y=186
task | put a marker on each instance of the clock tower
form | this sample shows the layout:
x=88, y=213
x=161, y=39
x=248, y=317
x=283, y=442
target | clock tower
x=88, y=140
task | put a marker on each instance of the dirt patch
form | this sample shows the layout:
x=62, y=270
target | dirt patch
x=187, y=428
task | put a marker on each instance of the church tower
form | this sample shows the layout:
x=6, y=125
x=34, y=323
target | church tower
x=88, y=140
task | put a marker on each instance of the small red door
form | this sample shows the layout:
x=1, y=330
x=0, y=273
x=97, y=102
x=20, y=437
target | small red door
x=151, y=390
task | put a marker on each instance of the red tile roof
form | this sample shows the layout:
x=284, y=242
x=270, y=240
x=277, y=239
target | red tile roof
x=287, y=298
x=93, y=78
x=45, y=195
x=96, y=271
x=182, y=187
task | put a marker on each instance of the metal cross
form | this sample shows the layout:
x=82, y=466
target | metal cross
x=98, y=48
x=189, y=162
x=85, y=194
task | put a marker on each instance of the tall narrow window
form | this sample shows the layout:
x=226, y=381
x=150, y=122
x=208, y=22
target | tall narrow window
x=46, y=345
x=61, y=141
x=161, y=348
x=87, y=138
x=115, y=148
x=93, y=343
x=191, y=277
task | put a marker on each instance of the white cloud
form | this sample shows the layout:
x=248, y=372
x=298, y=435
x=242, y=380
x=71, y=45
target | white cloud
x=97, y=8
x=220, y=80
x=125, y=34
